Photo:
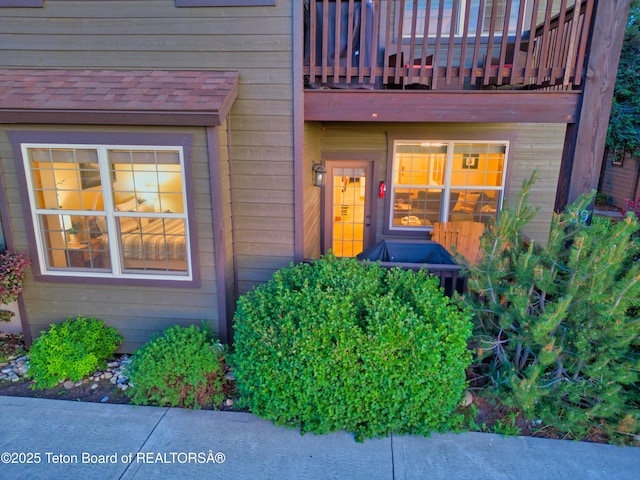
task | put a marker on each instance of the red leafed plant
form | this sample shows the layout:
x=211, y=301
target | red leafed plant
x=12, y=271
x=632, y=206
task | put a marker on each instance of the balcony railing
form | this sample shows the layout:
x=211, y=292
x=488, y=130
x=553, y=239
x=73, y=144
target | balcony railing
x=446, y=44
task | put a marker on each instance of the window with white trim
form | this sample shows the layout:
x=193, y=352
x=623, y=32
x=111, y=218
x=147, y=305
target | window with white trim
x=109, y=210
x=439, y=181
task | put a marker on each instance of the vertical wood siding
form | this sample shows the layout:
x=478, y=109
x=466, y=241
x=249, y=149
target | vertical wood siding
x=153, y=34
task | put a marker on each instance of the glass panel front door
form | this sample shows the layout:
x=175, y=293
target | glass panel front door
x=348, y=206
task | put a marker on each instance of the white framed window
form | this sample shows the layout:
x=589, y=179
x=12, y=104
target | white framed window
x=116, y=211
x=439, y=181
x=456, y=19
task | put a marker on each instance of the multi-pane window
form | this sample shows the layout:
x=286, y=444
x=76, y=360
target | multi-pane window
x=456, y=18
x=115, y=211
x=445, y=181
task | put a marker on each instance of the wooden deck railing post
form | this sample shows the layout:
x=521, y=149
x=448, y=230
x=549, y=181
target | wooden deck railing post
x=515, y=71
x=388, y=43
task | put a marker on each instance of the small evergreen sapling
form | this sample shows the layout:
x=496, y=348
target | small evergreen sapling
x=557, y=324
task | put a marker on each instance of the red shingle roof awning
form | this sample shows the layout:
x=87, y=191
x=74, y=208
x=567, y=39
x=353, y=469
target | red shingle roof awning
x=117, y=97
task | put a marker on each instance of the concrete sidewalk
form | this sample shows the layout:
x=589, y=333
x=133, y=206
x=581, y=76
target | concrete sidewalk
x=55, y=439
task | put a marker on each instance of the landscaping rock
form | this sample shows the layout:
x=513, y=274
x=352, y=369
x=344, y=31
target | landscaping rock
x=95, y=387
x=17, y=369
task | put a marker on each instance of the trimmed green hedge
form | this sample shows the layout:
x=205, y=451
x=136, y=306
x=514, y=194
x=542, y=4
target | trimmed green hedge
x=180, y=368
x=71, y=350
x=342, y=345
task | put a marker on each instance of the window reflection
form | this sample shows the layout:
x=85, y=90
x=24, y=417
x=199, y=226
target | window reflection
x=441, y=181
x=95, y=205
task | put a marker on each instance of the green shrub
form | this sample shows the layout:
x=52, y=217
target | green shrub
x=180, y=368
x=71, y=350
x=557, y=324
x=601, y=199
x=341, y=345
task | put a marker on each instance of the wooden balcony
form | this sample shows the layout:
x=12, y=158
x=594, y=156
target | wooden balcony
x=442, y=45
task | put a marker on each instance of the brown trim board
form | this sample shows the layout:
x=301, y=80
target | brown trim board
x=419, y=106
x=220, y=251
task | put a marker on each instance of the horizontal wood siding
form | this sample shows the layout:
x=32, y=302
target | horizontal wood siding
x=537, y=146
x=620, y=182
x=154, y=34
x=137, y=312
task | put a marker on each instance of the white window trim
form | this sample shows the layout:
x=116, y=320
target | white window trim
x=447, y=187
x=110, y=214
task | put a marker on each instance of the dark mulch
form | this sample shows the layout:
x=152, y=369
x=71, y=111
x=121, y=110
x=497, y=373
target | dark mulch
x=105, y=392
x=485, y=414
x=13, y=346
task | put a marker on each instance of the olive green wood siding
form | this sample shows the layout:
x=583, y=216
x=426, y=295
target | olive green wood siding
x=311, y=195
x=537, y=146
x=137, y=312
x=154, y=34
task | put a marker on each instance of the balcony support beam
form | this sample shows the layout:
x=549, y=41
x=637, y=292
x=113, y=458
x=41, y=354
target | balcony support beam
x=421, y=106
x=585, y=140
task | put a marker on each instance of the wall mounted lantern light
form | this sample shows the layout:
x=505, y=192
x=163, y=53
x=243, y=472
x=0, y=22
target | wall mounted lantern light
x=319, y=174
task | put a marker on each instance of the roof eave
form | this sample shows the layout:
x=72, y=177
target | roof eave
x=115, y=117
